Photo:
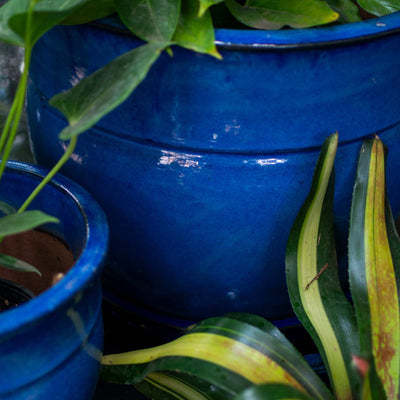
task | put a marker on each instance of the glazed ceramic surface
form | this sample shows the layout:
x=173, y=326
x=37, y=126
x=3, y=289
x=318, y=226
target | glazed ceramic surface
x=203, y=169
x=50, y=346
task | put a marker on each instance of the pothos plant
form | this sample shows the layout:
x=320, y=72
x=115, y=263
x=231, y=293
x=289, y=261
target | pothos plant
x=161, y=25
x=244, y=357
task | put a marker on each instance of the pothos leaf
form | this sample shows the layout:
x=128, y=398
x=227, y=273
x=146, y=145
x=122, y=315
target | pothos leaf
x=47, y=13
x=194, y=32
x=275, y=14
x=15, y=264
x=152, y=20
x=96, y=95
x=92, y=10
x=206, y=4
x=21, y=222
x=6, y=208
x=380, y=7
x=347, y=9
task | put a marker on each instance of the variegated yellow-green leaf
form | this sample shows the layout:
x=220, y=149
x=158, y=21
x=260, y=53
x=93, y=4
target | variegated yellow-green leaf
x=312, y=278
x=228, y=354
x=372, y=273
x=273, y=392
x=172, y=386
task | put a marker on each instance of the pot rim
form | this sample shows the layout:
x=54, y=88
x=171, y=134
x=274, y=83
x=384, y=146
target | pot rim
x=87, y=266
x=253, y=39
x=301, y=38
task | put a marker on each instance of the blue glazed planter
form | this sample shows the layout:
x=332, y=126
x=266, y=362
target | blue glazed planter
x=203, y=169
x=50, y=345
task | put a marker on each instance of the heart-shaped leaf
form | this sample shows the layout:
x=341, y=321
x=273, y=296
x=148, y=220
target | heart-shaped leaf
x=151, y=20
x=380, y=7
x=347, y=9
x=92, y=10
x=275, y=14
x=98, y=94
x=206, y=4
x=47, y=13
x=195, y=32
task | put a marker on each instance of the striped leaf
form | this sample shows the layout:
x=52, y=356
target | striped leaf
x=273, y=392
x=170, y=386
x=373, y=280
x=372, y=388
x=313, y=283
x=223, y=353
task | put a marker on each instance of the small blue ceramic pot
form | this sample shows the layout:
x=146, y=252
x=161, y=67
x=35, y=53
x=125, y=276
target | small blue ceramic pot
x=203, y=169
x=50, y=346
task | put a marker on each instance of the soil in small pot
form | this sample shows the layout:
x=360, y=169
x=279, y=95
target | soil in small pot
x=12, y=295
x=50, y=255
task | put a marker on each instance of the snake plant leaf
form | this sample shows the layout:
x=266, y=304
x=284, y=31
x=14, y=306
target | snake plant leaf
x=24, y=221
x=195, y=32
x=152, y=20
x=273, y=392
x=263, y=324
x=96, y=95
x=206, y=4
x=394, y=241
x=373, y=279
x=347, y=10
x=16, y=264
x=371, y=388
x=228, y=354
x=275, y=14
x=313, y=283
x=380, y=7
x=47, y=13
x=92, y=10
x=173, y=385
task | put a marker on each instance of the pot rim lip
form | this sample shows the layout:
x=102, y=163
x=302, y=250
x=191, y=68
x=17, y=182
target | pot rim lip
x=87, y=266
x=253, y=39
x=311, y=37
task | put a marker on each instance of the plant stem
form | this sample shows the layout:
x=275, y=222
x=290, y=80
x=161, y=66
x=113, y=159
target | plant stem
x=51, y=174
x=10, y=117
x=11, y=127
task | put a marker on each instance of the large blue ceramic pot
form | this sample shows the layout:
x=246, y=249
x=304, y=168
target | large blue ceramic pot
x=50, y=346
x=202, y=170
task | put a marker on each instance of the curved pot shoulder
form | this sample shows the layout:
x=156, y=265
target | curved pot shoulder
x=209, y=160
